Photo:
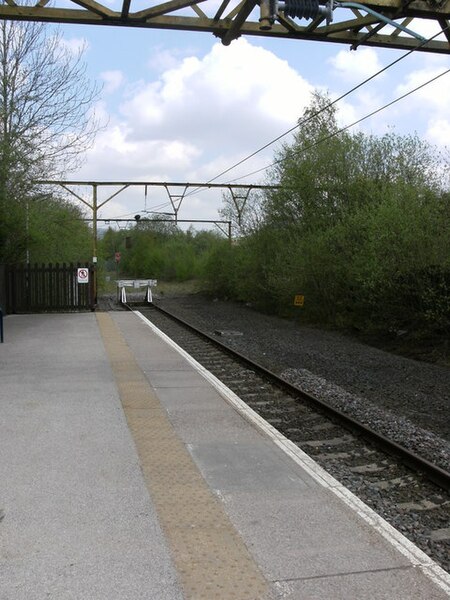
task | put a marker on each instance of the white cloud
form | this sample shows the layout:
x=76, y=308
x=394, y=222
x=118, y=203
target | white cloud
x=162, y=59
x=116, y=156
x=439, y=131
x=356, y=66
x=429, y=105
x=113, y=80
x=432, y=96
x=417, y=112
x=196, y=119
x=232, y=96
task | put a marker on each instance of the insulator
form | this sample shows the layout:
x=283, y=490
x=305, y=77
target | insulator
x=302, y=9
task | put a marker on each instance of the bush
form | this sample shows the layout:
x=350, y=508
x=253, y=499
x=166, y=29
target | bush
x=380, y=268
x=167, y=254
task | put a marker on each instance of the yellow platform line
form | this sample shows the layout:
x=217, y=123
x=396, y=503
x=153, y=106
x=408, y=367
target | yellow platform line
x=212, y=561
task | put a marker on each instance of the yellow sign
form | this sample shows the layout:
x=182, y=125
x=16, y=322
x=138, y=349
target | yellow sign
x=299, y=300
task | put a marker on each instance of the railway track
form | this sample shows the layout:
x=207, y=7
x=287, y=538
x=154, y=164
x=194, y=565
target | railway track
x=408, y=491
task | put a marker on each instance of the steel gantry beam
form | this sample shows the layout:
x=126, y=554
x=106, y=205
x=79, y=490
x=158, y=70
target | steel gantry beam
x=379, y=23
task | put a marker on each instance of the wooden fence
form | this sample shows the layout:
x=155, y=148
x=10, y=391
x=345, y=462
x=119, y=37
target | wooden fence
x=49, y=288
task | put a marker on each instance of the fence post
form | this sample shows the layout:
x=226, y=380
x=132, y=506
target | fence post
x=1, y=325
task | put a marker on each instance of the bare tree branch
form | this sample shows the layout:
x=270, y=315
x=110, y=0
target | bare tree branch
x=47, y=119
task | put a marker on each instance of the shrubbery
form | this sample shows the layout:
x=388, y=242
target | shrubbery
x=360, y=227
x=157, y=251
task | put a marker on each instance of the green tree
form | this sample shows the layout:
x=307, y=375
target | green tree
x=155, y=249
x=327, y=173
x=58, y=232
x=359, y=226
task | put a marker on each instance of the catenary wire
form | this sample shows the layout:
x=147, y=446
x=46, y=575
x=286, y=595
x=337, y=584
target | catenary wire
x=317, y=113
x=342, y=129
x=154, y=210
x=331, y=135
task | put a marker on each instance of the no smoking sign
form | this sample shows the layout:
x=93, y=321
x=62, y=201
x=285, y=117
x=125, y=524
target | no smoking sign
x=82, y=275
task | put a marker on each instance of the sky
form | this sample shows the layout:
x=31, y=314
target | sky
x=181, y=107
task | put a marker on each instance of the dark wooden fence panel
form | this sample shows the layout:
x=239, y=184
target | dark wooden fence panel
x=48, y=288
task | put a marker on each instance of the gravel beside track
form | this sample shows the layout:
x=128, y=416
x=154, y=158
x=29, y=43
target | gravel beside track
x=396, y=394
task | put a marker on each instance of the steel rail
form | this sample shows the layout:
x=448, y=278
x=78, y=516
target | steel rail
x=436, y=474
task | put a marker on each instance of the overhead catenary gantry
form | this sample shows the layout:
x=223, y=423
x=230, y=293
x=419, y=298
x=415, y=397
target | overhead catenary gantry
x=378, y=23
x=239, y=194
x=223, y=225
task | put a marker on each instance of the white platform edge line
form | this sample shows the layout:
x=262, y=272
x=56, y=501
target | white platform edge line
x=414, y=554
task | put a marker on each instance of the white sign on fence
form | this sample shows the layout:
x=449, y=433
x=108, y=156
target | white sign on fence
x=83, y=275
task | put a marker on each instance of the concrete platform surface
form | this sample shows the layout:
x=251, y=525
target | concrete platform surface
x=128, y=472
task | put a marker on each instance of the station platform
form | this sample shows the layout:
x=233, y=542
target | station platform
x=129, y=472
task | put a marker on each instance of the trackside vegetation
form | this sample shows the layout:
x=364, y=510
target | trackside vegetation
x=360, y=228
x=157, y=250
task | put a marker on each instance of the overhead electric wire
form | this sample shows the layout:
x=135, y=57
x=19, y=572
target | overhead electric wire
x=331, y=135
x=324, y=108
x=341, y=130
x=155, y=210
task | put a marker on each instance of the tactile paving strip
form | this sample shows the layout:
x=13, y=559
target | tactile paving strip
x=210, y=556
